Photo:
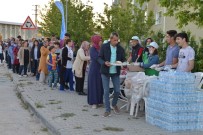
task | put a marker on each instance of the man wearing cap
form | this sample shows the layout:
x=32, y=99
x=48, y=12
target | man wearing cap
x=137, y=49
x=153, y=56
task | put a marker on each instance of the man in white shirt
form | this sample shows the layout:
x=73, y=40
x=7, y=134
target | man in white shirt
x=66, y=66
x=186, y=55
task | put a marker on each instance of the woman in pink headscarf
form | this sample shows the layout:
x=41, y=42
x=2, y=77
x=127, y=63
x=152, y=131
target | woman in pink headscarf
x=79, y=66
x=95, y=88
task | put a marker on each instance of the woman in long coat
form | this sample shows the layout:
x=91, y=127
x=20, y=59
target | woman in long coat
x=42, y=64
x=79, y=67
x=95, y=88
x=24, y=58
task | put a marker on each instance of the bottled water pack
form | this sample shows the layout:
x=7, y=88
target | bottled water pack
x=174, y=103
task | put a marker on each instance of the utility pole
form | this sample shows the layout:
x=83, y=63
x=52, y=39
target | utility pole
x=36, y=14
x=36, y=20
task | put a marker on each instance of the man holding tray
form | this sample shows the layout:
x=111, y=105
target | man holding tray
x=111, y=52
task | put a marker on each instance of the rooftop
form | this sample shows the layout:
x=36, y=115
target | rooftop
x=11, y=23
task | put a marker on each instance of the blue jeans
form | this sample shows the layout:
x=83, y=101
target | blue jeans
x=53, y=77
x=68, y=75
x=116, y=84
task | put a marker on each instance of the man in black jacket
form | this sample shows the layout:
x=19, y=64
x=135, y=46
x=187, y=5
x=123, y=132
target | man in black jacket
x=110, y=53
x=64, y=59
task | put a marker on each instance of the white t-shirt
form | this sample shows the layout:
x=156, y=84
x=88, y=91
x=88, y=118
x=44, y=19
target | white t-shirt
x=1, y=49
x=70, y=55
x=185, y=55
x=35, y=53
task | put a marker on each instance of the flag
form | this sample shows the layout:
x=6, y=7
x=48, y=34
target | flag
x=63, y=26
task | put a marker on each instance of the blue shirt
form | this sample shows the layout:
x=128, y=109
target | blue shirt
x=172, y=52
x=112, y=69
x=153, y=59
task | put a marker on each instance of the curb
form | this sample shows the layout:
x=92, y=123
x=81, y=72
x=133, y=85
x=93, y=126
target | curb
x=32, y=108
x=39, y=115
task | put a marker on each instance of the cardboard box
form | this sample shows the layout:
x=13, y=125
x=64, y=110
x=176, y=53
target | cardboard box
x=133, y=68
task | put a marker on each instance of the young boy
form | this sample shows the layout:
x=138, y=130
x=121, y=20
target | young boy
x=52, y=67
x=58, y=53
x=186, y=55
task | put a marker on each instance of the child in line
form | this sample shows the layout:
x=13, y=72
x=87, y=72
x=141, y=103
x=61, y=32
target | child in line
x=52, y=67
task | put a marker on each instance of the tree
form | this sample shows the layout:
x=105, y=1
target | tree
x=184, y=10
x=80, y=22
x=127, y=21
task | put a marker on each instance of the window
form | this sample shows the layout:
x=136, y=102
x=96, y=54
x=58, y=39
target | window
x=158, y=18
x=115, y=2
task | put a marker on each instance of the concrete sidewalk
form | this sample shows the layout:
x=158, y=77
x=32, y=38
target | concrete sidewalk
x=15, y=120
x=66, y=113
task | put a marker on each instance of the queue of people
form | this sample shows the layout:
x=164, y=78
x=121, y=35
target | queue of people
x=53, y=62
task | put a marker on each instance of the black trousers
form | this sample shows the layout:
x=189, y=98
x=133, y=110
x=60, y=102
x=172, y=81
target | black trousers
x=23, y=67
x=34, y=66
x=16, y=68
x=80, y=82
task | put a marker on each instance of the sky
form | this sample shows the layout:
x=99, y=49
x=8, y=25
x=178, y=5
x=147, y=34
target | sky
x=18, y=10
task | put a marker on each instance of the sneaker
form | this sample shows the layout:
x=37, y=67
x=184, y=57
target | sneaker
x=116, y=110
x=94, y=106
x=25, y=75
x=20, y=76
x=107, y=114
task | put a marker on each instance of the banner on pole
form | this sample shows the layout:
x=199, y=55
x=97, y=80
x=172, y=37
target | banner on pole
x=63, y=26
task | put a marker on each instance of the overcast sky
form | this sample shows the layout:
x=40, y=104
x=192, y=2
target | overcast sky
x=18, y=10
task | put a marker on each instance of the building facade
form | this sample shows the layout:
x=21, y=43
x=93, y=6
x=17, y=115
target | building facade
x=164, y=23
x=11, y=29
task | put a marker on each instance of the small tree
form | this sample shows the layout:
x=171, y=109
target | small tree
x=184, y=10
x=80, y=20
x=127, y=21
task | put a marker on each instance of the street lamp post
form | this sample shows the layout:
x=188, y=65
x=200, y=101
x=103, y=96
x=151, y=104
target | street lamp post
x=66, y=15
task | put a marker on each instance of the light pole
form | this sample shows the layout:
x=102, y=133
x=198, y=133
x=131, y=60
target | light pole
x=66, y=15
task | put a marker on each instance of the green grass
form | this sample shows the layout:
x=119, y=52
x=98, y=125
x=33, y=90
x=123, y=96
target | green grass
x=55, y=102
x=21, y=84
x=18, y=94
x=39, y=105
x=115, y=129
x=78, y=127
x=23, y=104
x=85, y=110
x=67, y=115
x=44, y=129
x=85, y=106
x=29, y=83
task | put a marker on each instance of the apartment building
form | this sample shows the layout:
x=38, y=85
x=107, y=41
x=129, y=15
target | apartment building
x=164, y=23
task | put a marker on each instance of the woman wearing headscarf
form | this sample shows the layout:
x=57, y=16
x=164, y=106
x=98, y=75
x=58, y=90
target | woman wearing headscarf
x=79, y=66
x=95, y=88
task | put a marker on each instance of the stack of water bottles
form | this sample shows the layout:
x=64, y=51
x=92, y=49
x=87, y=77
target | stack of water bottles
x=174, y=103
